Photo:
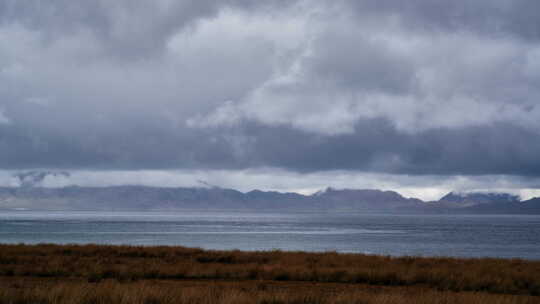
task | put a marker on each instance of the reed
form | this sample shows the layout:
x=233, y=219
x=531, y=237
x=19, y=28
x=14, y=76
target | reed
x=155, y=293
x=49, y=273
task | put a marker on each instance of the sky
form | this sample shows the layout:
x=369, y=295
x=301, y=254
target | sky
x=418, y=96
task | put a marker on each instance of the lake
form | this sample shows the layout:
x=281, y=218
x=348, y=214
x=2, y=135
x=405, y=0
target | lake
x=423, y=235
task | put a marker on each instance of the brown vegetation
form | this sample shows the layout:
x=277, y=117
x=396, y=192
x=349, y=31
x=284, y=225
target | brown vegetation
x=126, y=274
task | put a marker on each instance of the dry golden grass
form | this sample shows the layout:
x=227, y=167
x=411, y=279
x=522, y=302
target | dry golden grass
x=157, y=292
x=126, y=274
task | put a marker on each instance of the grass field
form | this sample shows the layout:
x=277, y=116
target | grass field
x=152, y=275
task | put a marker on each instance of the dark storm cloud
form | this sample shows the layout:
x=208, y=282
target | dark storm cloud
x=410, y=87
x=487, y=17
x=124, y=147
x=376, y=146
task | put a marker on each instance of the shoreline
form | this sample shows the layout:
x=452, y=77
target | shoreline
x=257, y=251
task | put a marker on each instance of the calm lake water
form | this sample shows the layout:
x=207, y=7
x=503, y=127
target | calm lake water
x=428, y=235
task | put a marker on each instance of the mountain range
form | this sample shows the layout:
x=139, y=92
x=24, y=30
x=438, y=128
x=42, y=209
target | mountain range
x=205, y=198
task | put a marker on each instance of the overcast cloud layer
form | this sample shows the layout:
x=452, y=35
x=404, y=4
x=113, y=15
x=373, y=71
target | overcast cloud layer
x=406, y=88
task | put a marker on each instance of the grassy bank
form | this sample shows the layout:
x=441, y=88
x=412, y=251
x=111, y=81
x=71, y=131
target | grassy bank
x=125, y=274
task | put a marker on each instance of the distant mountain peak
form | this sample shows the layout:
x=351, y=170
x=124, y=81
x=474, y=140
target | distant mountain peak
x=479, y=197
x=136, y=197
x=387, y=193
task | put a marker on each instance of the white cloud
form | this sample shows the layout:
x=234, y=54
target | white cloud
x=4, y=120
x=454, y=80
